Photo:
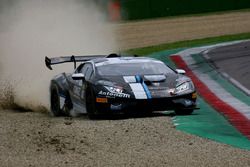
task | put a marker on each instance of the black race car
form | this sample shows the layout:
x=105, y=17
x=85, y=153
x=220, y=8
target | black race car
x=115, y=84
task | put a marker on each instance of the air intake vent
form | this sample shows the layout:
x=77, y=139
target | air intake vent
x=112, y=55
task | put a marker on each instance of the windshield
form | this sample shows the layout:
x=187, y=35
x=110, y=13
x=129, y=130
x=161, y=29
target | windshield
x=148, y=68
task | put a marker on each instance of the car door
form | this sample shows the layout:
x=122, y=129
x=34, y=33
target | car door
x=88, y=72
x=78, y=89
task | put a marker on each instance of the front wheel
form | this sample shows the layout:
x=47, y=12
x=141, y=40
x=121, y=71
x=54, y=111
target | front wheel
x=184, y=112
x=90, y=104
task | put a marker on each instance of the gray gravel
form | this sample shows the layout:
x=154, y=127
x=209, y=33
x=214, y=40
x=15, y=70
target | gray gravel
x=37, y=139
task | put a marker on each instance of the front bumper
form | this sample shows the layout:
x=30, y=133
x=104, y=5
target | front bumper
x=107, y=104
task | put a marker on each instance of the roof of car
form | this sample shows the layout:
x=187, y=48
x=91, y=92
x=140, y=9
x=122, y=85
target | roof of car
x=122, y=60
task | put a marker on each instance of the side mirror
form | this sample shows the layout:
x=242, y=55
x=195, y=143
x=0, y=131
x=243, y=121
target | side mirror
x=180, y=71
x=78, y=76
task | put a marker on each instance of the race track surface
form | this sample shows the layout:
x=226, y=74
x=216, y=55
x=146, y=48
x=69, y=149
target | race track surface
x=233, y=60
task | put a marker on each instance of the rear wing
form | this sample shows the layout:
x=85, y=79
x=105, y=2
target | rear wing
x=74, y=59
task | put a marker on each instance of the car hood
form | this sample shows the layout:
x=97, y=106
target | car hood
x=145, y=86
x=160, y=81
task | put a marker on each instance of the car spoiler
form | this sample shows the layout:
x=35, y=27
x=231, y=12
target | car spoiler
x=74, y=59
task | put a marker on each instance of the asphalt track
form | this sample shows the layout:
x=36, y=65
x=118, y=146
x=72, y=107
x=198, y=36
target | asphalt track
x=233, y=60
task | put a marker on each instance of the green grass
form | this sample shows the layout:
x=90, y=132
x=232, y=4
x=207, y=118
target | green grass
x=188, y=43
x=191, y=15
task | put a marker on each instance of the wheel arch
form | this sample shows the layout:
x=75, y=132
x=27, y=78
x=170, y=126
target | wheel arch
x=60, y=84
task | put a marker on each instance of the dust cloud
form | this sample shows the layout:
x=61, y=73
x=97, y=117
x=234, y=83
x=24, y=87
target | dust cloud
x=33, y=29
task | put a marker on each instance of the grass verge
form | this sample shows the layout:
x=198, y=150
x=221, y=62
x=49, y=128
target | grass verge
x=191, y=15
x=188, y=43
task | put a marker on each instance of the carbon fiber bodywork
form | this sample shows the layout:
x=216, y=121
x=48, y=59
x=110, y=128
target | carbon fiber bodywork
x=135, y=90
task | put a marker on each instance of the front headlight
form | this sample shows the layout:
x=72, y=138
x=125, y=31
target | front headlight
x=114, y=89
x=184, y=87
x=110, y=86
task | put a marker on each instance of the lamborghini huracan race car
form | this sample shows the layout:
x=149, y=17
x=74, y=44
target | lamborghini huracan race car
x=115, y=84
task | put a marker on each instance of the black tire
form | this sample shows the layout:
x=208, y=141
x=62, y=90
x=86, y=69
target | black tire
x=55, y=102
x=90, y=104
x=184, y=112
x=68, y=105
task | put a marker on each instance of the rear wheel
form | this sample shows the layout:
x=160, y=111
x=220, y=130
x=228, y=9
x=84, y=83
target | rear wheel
x=184, y=112
x=55, y=102
x=67, y=106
